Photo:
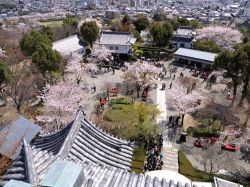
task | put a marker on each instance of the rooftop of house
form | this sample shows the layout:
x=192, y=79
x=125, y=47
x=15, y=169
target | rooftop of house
x=185, y=31
x=83, y=155
x=116, y=38
x=196, y=54
x=12, y=136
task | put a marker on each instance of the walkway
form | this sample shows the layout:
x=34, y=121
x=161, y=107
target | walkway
x=170, y=154
x=161, y=105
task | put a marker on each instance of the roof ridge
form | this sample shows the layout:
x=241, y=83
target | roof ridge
x=29, y=162
x=72, y=133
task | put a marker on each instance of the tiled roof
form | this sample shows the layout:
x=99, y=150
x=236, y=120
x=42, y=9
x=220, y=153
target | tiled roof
x=105, y=159
x=12, y=136
x=196, y=54
x=18, y=170
x=116, y=38
x=80, y=142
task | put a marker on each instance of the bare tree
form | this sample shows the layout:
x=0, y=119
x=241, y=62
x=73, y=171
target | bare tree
x=214, y=159
x=64, y=62
x=9, y=40
x=21, y=88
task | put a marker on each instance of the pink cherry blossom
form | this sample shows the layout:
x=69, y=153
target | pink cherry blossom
x=91, y=67
x=142, y=72
x=182, y=101
x=225, y=37
x=100, y=54
x=61, y=102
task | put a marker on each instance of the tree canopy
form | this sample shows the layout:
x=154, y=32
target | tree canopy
x=46, y=30
x=246, y=70
x=246, y=34
x=46, y=58
x=138, y=36
x=5, y=73
x=225, y=37
x=232, y=62
x=180, y=22
x=136, y=122
x=89, y=32
x=206, y=45
x=71, y=21
x=159, y=16
x=141, y=23
x=161, y=33
x=31, y=40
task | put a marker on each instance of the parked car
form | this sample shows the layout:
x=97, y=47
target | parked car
x=229, y=147
x=201, y=143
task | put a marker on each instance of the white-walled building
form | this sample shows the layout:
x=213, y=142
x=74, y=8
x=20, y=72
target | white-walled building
x=117, y=42
x=194, y=58
x=183, y=37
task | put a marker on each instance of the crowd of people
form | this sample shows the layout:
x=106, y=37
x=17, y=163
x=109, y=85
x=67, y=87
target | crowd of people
x=154, y=155
x=173, y=120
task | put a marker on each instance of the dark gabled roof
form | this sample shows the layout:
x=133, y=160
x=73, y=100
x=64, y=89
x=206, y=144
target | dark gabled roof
x=20, y=169
x=105, y=160
x=80, y=142
x=11, y=137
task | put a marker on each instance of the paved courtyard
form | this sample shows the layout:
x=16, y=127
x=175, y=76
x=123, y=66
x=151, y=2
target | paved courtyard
x=216, y=94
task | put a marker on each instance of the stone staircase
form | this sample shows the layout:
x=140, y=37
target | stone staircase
x=170, y=158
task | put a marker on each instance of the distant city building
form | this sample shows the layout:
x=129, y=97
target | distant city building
x=183, y=37
x=89, y=2
x=112, y=14
x=117, y=42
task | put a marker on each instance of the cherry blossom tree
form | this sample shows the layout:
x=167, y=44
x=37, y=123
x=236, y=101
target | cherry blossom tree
x=143, y=72
x=101, y=54
x=183, y=102
x=92, y=68
x=225, y=37
x=234, y=132
x=61, y=102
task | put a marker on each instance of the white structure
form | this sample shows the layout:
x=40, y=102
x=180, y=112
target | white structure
x=183, y=37
x=89, y=2
x=195, y=58
x=68, y=45
x=117, y=42
x=184, y=181
x=167, y=174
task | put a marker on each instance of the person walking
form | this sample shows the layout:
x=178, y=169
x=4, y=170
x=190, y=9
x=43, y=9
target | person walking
x=174, y=77
x=181, y=75
x=170, y=119
x=170, y=86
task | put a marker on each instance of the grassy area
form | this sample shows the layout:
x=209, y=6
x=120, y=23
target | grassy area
x=135, y=122
x=117, y=114
x=52, y=23
x=186, y=168
x=138, y=159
